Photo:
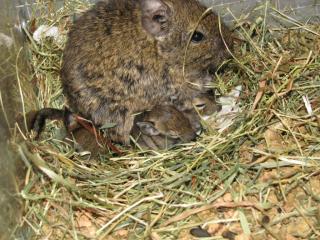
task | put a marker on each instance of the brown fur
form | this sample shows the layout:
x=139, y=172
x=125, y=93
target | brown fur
x=114, y=66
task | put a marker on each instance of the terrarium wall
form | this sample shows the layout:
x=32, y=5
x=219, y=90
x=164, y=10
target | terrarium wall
x=300, y=9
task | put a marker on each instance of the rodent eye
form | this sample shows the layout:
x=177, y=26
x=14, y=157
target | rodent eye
x=159, y=18
x=174, y=135
x=201, y=106
x=197, y=37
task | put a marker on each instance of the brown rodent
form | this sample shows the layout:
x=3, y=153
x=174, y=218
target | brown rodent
x=127, y=56
x=161, y=128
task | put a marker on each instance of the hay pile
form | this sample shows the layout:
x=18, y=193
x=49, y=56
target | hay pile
x=256, y=180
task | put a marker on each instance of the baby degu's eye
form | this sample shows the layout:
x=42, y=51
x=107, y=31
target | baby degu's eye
x=174, y=134
x=200, y=106
x=197, y=37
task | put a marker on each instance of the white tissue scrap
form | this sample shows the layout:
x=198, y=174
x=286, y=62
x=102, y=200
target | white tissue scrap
x=229, y=109
x=44, y=31
x=5, y=40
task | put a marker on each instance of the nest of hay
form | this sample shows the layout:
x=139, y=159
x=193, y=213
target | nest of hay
x=256, y=180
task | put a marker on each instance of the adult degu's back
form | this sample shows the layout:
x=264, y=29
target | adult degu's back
x=124, y=57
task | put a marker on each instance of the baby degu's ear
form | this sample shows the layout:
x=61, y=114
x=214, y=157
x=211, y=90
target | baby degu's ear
x=155, y=17
x=147, y=128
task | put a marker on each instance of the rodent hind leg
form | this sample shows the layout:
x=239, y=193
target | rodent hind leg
x=121, y=132
x=39, y=120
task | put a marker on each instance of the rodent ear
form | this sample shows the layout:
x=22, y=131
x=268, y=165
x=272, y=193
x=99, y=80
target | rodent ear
x=147, y=128
x=155, y=17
